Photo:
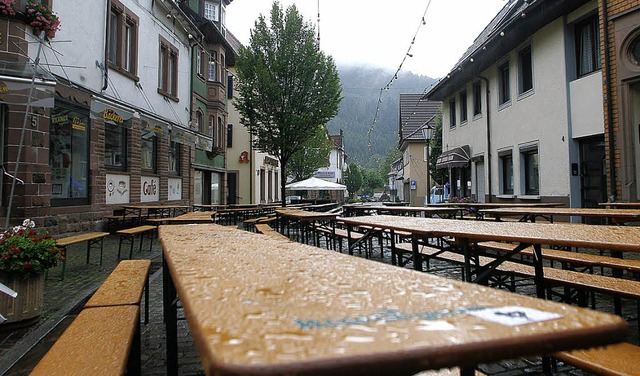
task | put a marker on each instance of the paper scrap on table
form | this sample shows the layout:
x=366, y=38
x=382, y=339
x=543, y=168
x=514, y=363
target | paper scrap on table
x=514, y=315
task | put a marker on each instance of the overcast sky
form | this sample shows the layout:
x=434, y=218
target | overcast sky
x=379, y=33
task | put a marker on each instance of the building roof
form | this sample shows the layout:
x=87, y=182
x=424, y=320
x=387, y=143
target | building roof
x=516, y=22
x=414, y=113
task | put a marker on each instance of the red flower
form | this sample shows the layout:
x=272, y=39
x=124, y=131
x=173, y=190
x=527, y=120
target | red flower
x=27, y=265
x=6, y=256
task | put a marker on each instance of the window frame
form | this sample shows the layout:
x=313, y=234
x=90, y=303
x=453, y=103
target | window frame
x=122, y=43
x=526, y=155
x=507, y=182
x=175, y=153
x=504, y=84
x=525, y=70
x=124, y=139
x=589, y=24
x=452, y=112
x=168, y=70
x=464, y=113
x=477, y=98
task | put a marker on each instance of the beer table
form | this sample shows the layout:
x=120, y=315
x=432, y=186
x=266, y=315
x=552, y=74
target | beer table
x=153, y=211
x=523, y=234
x=613, y=216
x=191, y=217
x=621, y=205
x=307, y=221
x=261, y=306
x=416, y=211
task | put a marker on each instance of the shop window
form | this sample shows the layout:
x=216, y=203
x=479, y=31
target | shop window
x=587, y=34
x=477, y=98
x=506, y=170
x=115, y=147
x=174, y=158
x=168, y=70
x=531, y=172
x=123, y=39
x=69, y=155
x=452, y=113
x=149, y=146
x=504, y=90
x=463, y=106
x=525, y=70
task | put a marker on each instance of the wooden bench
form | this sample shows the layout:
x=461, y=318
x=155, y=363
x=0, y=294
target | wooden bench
x=618, y=359
x=117, y=221
x=92, y=239
x=129, y=235
x=568, y=257
x=104, y=340
x=265, y=229
x=124, y=286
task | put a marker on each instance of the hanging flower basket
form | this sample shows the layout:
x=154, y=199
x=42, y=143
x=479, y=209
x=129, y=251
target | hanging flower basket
x=41, y=18
x=7, y=8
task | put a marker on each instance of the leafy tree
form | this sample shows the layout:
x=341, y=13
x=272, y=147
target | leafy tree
x=439, y=175
x=353, y=179
x=315, y=154
x=287, y=87
x=372, y=180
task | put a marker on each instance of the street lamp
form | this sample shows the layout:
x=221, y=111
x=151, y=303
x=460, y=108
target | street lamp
x=427, y=131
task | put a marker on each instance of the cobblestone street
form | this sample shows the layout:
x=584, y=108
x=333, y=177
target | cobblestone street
x=20, y=349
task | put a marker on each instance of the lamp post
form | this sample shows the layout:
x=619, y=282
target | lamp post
x=426, y=134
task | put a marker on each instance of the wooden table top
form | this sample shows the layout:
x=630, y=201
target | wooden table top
x=627, y=205
x=257, y=305
x=191, y=217
x=417, y=209
x=571, y=212
x=306, y=215
x=614, y=238
x=155, y=207
x=489, y=205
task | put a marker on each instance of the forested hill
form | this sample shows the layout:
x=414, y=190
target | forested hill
x=361, y=91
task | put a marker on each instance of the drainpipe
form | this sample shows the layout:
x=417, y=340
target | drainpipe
x=487, y=92
x=607, y=79
x=105, y=72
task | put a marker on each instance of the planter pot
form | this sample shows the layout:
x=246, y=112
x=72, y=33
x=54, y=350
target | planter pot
x=28, y=304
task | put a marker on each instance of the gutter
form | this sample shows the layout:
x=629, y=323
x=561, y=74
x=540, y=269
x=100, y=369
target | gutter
x=489, y=161
x=609, y=102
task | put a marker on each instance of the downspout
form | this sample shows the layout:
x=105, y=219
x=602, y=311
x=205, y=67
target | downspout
x=105, y=66
x=487, y=96
x=610, y=130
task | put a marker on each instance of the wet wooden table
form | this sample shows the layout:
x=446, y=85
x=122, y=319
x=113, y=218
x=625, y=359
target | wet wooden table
x=612, y=216
x=261, y=306
x=468, y=232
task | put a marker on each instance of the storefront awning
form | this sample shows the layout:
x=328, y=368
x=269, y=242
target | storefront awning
x=16, y=90
x=456, y=157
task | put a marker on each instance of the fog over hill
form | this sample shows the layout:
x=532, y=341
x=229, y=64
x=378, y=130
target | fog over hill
x=367, y=143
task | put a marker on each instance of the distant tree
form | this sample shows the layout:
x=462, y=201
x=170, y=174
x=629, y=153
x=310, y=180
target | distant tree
x=287, y=87
x=372, y=180
x=353, y=179
x=439, y=175
x=315, y=154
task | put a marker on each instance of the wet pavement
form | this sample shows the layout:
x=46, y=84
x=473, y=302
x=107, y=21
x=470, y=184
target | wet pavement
x=21, y=349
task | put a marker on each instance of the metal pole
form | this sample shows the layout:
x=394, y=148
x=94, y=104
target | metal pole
x=428, y=175
x=24, y=127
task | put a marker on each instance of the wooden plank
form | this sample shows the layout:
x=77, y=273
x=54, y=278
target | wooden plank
x=69, y=240
x=124, y=286
x=97, y=342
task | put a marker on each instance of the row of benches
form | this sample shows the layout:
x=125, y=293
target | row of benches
x=105, y=337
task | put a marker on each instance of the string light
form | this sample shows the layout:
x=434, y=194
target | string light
x=423, y=22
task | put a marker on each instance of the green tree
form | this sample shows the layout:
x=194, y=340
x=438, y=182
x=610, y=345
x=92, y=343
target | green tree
x=372, y=180
x=287, y=87
x=353, y=179
x=313, y=155
x=439, y=175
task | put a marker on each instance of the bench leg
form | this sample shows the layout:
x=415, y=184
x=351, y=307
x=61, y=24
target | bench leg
x=125, y=238
x=134, y=363
x=92, y=243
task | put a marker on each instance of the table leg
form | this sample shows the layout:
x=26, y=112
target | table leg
x=539, y=268
x=170, y=319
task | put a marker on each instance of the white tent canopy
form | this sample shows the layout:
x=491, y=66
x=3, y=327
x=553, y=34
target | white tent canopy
x=315, y=184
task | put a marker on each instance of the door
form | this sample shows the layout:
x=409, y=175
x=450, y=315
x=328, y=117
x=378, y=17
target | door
x=479, y=188
x=232, y=188
x=593, y=180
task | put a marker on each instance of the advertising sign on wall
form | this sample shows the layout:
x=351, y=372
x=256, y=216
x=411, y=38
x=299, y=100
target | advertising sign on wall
x=117, y=189
x=149, y=189
x=175, y=189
